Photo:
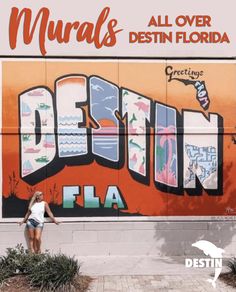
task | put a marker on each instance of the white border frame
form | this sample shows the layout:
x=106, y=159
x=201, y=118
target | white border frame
x=1, y=140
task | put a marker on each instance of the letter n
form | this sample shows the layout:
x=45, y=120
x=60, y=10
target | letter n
x=202, y=150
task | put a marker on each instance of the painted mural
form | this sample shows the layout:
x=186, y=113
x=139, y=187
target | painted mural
x=119, y=138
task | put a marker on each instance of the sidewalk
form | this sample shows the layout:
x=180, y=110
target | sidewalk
x=174, y=283
x=147, y=274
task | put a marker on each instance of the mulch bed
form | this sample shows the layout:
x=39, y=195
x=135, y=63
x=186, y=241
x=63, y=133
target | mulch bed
x=21, y=284
x=228, y=278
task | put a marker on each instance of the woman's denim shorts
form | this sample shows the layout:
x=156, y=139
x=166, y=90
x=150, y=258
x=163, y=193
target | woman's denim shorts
x=31, y=223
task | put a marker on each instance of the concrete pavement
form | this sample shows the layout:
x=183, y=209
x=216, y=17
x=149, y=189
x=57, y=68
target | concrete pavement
x=147, y=273
x=172, y=283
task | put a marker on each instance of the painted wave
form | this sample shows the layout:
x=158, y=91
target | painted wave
x=62, y=119
x=72, y=131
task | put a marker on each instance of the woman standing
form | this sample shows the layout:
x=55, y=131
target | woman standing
x=34, y=220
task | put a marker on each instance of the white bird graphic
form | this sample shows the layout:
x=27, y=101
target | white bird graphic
x=96, y=87
x=110, y=110
x=109, y=97
x=214, y=252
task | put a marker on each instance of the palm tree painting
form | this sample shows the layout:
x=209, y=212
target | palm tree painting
x=165, y=161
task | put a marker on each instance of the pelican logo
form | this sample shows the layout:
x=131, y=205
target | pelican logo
x=215, y=261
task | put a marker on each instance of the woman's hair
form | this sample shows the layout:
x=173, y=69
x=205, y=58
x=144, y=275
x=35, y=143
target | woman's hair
x=33, y=199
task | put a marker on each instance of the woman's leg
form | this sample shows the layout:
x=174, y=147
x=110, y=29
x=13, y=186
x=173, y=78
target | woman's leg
x=31, y=239
x=34, y=242
x=37, y=239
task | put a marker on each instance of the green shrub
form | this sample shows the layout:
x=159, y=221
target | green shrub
x=231, y=264
x=48, y=272
x=54, y=272
x=229, y=277
x=18, y=261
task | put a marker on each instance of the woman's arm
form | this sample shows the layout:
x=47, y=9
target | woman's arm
x=50, y=213
x=25, y=218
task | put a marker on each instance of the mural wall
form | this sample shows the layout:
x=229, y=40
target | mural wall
x=119, y=138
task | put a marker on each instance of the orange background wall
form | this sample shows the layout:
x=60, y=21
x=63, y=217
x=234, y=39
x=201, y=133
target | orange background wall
x=147, y=78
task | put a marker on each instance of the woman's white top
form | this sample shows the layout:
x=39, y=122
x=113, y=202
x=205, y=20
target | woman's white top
x=37, y=211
